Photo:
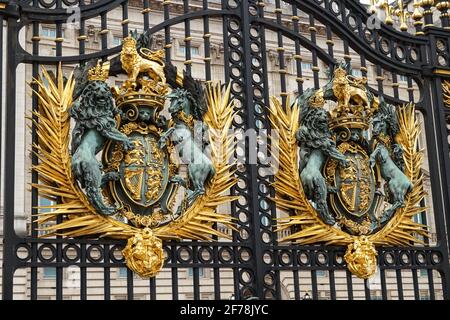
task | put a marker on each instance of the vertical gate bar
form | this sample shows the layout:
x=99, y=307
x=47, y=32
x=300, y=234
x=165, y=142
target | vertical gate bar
x=439, y=168
x=295, y=275
x=280, y=49
x=125, y=20
x=431, y=284
x=423, y=215
x=226, y=59
x=332, y=285
x=330, y=42
x=104, y=30
x=349, y=284
x=83, y=280
x=187, y=39
x=207, y=45
x=59, y=270
x=367, y=290
x=314, y=284
x=266, y=101
x=195, y=271
x=9, y=235
x=1, y=93
x=398, y=273
x=297, y=55
x=153, y=288
x=383, y=284
x=145, y=12
x=415, y=284
x=34, y=161
x=130, y=292
x=107, y=275
x=167, y=40
x=315, y=68
x=296, y=285
x=82, y=33
x=173, y=259
x=363, y=66
x=216, y=274
x=255, y=239
x=329, y=33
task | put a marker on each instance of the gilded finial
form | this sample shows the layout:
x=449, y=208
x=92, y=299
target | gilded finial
x=100, y=72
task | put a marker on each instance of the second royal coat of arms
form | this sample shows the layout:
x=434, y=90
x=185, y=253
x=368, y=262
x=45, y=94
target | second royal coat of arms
x=356, y=167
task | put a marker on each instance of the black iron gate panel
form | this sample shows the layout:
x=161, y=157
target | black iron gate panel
x=263, y=48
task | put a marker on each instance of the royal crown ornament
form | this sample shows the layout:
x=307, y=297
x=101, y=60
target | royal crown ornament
x=137, y=189
x=99, y=73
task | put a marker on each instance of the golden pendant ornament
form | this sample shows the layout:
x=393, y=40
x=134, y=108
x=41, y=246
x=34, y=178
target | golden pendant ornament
x=144, y=253
x=336, y=186
x=134, y=191
x=361, y=258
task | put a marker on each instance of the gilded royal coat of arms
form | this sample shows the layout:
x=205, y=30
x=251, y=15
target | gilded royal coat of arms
x=122, y=169
x=356, y=168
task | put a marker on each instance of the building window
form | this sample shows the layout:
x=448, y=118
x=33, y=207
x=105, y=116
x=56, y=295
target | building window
x=306, y=65
x=43, y=202
x=116, y=41
x=321, y=273
x=49, y=273
x=423, y=295
x=356, y=73
x=195, y=51
x=418, y=218
x=423, y=273
x=324, y=295
x=403, y=78
x=201, y=272
x=376, y=295
x=123, y=272
x=49, y=32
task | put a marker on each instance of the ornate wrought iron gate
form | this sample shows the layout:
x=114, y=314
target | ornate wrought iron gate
x=255, y=33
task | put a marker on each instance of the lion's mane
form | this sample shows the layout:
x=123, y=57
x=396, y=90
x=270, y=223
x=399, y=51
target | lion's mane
x=87, y=113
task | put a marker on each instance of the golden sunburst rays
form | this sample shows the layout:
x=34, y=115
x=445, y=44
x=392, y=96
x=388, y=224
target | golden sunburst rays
x=290, y=198
x=52, y=123
x=446, y=93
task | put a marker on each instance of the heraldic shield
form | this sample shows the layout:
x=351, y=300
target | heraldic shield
x=149, y=185
x=349, y=171
x=355, y=186
x=144, y=171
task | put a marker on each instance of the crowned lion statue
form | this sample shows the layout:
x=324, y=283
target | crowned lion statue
x=316, y=145
x=94, y=113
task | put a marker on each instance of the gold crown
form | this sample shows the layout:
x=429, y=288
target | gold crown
x=100, y=72
x=129, y=42
x=317, y=100
x=349, y=122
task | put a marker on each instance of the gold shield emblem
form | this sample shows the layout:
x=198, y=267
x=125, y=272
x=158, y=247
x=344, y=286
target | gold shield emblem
x=355, y=184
